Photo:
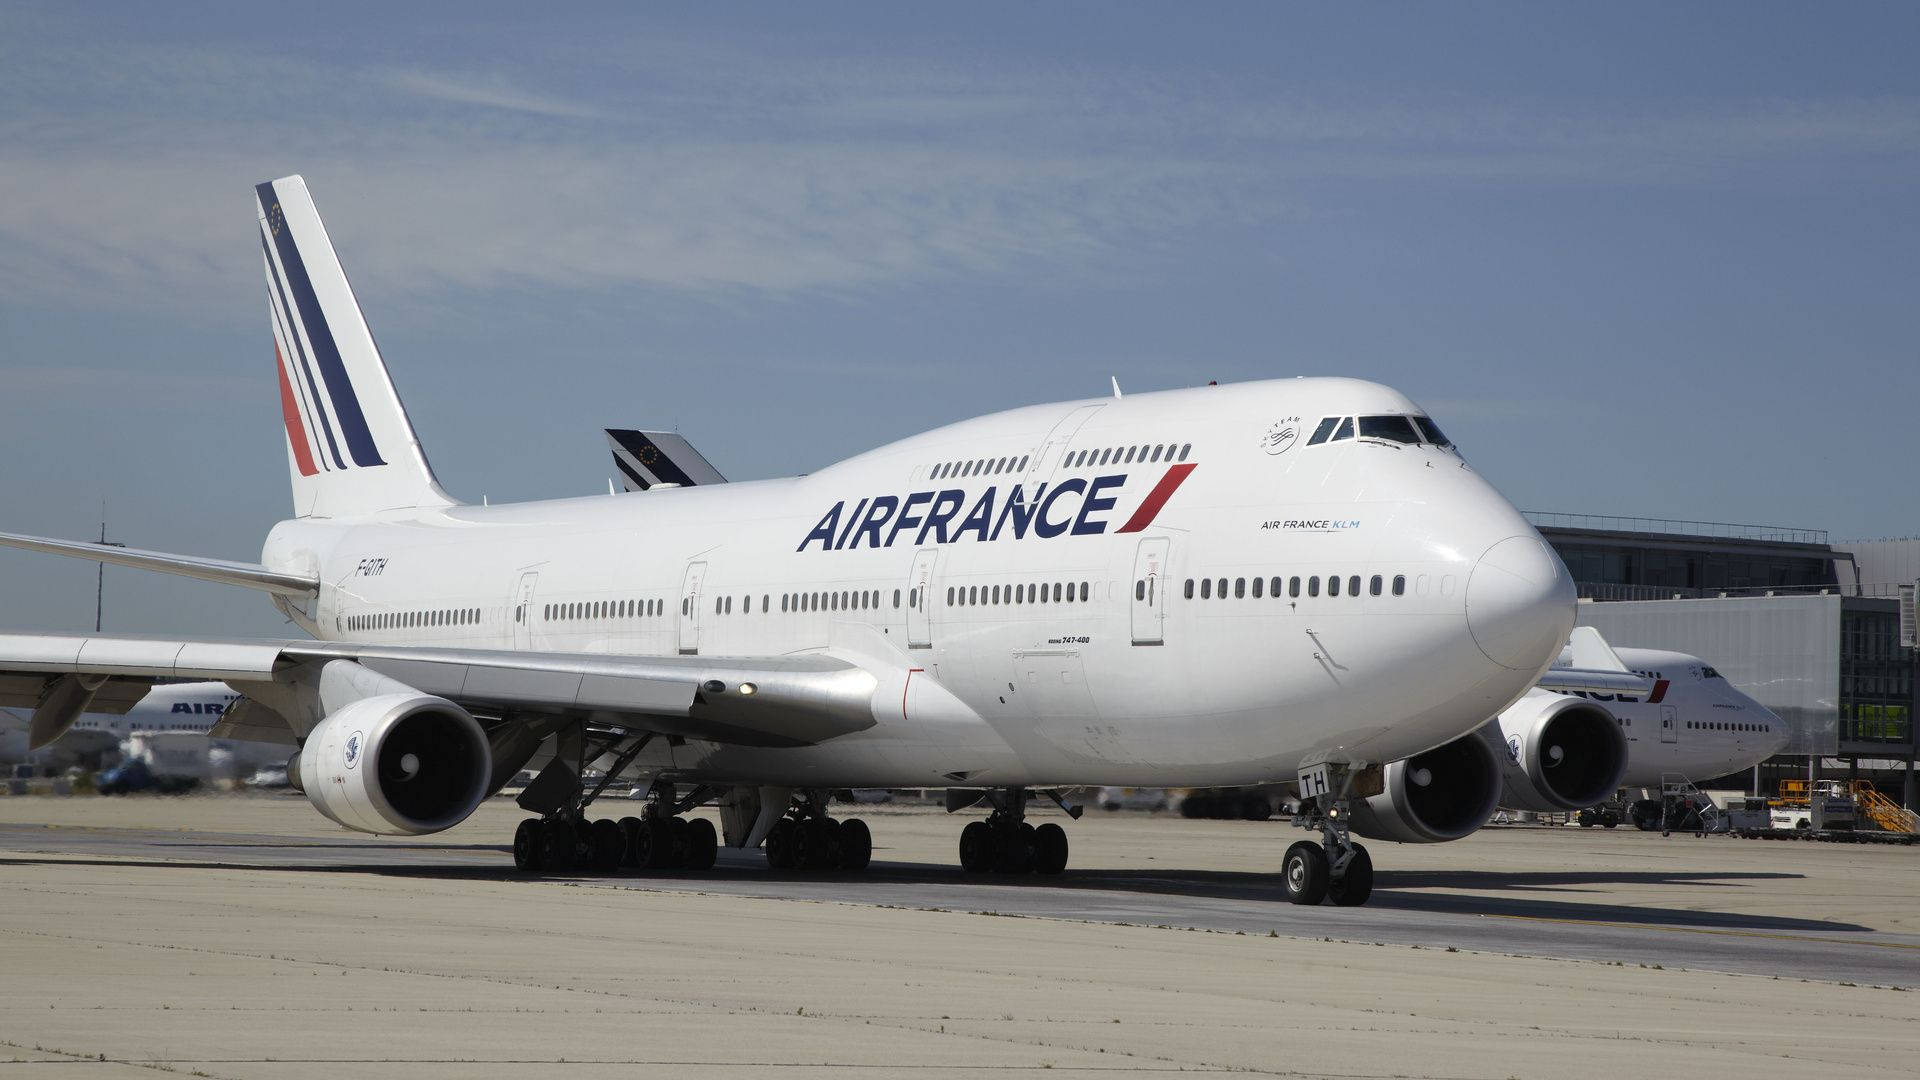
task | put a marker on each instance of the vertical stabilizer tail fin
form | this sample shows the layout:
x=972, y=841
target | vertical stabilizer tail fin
x=647, y=459
x=350, y=447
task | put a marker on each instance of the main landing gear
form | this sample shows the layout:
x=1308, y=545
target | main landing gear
x=1336, y=867
x=1006, y=843
x=807, y=839
x=659, y=839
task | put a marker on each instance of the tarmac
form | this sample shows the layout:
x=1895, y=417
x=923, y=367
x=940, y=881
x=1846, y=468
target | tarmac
x=244, y=936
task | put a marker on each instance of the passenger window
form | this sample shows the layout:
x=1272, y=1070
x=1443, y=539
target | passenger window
x=1353, y=585
x=949, y=596
x=1275, y=588
x=1324, y=431
x=1373, y=586
x=1258, y=583
x=1206, y=588
x=1391, y=428
x=1313, y=586
x=1333, y=584
x=1223, y=588
x=1083, y=590
x=1293, y=587
x=1239, y=588
x=1129, y=457
x=1023, y=462
x=1189, y=588
x=1399, y=584
x=1140, y=589
x=1345, y=430
x=1183, y=451
x=1056, y=591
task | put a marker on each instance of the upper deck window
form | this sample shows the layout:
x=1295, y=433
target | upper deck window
x=1391, y=428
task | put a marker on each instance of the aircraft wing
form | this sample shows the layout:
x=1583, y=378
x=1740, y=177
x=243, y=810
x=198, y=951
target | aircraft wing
x=749, y=701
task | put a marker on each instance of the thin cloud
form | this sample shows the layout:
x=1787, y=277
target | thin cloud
x=489, y=95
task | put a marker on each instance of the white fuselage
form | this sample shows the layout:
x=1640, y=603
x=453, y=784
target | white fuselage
x=923, y=573
x=1694, y=724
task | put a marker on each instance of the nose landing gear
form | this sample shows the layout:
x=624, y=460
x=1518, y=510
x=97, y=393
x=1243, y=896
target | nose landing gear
x=1336, y=867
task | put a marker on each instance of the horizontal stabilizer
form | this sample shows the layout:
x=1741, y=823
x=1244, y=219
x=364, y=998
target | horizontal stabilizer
x=246, y=575
x=650, y=458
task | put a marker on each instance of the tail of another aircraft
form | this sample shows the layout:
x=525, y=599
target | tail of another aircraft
x=350, y=447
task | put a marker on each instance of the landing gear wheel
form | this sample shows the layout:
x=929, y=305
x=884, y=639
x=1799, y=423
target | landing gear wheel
x=783, y=845
x=1049, y=849
x=629, y=831
x=608, y=848
x=976, y=847
x=856, y=845
x=1303, y=873
x=1352, y=888
x=703, y=844
x=528, y=852
x=653, y=845
x=682, y=832
x=557, y=842
x=1015, y=849
x=819, y=844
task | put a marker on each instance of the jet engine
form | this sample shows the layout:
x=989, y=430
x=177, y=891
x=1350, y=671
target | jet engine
x=398, y=764
x=1443, y=794
x=1557, y=752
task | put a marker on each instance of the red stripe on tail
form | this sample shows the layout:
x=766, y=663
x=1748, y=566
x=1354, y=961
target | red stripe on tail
x=290, y=412
x=1157, y=498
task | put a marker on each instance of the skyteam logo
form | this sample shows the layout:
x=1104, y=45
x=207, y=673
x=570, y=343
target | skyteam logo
x=1075, y=506
x=352, y=753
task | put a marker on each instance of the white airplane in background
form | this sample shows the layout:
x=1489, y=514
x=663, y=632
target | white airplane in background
x=1213, y=586
x=167, y=729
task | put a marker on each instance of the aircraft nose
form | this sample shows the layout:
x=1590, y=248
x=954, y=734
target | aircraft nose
x=1520, y=603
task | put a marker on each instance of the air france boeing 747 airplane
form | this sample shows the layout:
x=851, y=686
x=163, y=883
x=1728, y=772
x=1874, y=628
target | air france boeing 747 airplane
x=1276, y=580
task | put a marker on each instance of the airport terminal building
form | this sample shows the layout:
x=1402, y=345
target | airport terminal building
x=1823, y=636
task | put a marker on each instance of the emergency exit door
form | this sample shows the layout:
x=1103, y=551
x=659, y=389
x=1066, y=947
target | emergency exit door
x=1150, y=591
x=1669, y=724
x=920, y=599
x=691, y=595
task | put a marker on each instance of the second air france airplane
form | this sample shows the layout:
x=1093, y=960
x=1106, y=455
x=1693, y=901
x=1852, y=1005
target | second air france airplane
x=1213, y=586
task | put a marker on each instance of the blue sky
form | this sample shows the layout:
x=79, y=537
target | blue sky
x=1638, y=259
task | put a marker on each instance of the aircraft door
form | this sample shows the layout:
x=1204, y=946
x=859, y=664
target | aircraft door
x=1150, y=591
x=1669, y=724
x=920, y=599
x=690, y=598
x=522, y=613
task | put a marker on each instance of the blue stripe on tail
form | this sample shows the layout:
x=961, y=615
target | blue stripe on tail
x=346, y=404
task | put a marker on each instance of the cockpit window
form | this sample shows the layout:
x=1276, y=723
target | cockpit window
x=1345, y=431
x=1430, y=431
x=1324, y=431
x=1392, y=428
x=1709, y=673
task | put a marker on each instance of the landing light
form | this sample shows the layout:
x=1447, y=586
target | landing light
x=747, y=689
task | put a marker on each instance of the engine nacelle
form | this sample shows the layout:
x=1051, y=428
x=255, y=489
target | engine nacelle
x=1557, y=752
x=1443, y=794
x=398, y=764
